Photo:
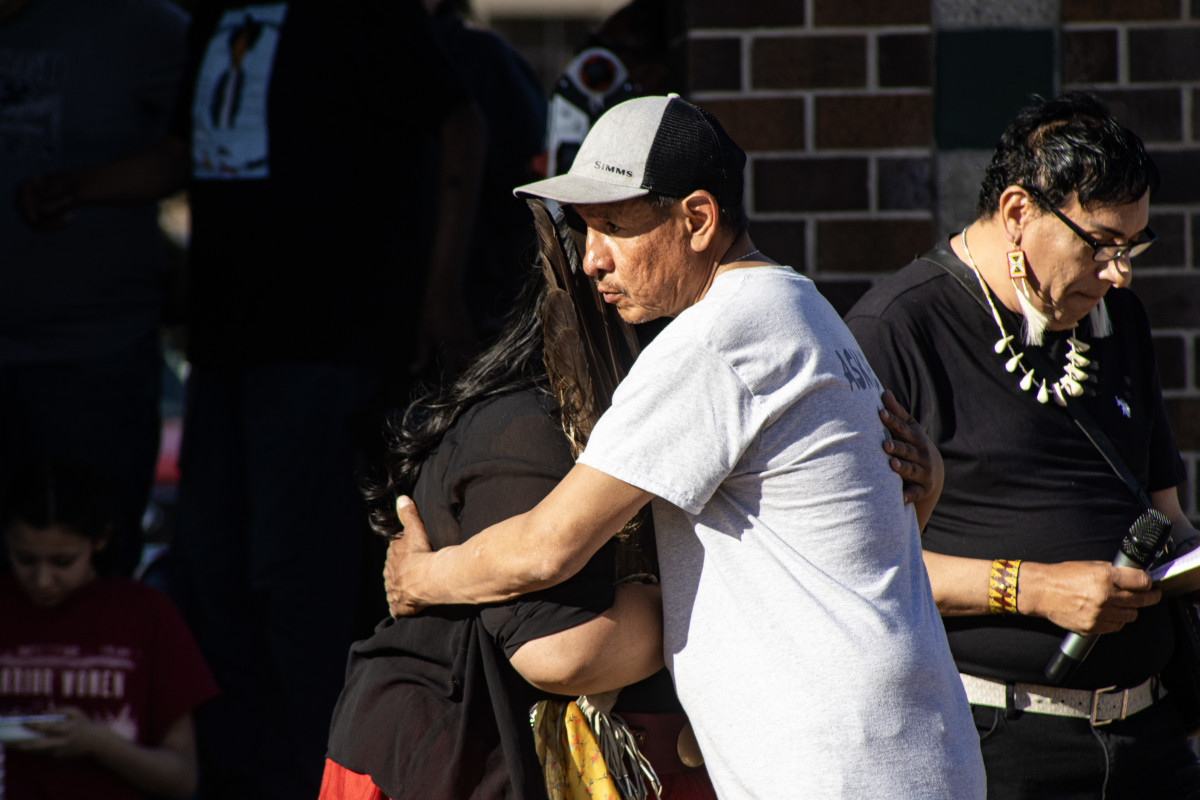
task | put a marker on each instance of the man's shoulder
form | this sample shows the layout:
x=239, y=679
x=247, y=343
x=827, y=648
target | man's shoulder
x=912, y=289
x=754, y=291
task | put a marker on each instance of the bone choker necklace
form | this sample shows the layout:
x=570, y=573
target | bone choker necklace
x=1074, y=371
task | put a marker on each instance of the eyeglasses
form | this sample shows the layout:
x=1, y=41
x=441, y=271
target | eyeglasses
x=1101, y=251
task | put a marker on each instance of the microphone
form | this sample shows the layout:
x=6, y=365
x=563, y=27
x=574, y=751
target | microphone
x=1146, y=538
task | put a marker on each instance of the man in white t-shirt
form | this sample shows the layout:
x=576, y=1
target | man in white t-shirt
x=799, y=625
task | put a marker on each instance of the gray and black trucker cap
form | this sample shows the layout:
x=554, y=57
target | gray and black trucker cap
x=649, y=144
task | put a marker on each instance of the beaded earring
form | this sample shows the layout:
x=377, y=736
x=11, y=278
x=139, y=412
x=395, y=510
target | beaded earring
x=1075, y=369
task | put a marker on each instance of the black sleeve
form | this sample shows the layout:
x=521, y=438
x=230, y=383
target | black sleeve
x=508, y=457
x=1166, y=469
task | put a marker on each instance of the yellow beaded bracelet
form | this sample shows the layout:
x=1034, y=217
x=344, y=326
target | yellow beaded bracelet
x=1002, y=587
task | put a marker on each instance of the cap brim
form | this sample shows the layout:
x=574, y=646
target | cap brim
x=577, y=189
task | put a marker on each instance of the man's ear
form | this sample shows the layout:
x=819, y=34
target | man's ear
x=1016, y=209
x=701, y=214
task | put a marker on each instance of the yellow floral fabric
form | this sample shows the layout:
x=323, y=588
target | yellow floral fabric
x=571, y=760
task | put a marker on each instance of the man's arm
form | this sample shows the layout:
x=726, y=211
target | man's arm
x=1183, y=534
x=531, y=551
x=1085, y=597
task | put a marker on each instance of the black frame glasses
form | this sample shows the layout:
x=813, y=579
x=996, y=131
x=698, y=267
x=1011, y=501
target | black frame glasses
x=1102, y=252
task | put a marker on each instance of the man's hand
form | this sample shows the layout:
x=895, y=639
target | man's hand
x=1084, y=597
x=404, y=557
x=914, y=457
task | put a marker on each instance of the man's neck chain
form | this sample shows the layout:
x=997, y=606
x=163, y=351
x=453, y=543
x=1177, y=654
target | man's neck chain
x=1074, y=371
x=744, y=256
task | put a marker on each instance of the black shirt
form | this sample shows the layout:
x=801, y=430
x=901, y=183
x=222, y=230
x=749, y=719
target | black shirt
x=1022, y=481
x=311, y=247
x=431, y=709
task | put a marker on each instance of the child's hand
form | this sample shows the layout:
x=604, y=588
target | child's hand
x=77, y=735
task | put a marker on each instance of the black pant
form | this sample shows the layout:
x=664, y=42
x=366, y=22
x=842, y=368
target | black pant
x=1030, y=755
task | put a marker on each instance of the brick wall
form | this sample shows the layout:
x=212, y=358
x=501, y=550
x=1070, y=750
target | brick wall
x=849, y=118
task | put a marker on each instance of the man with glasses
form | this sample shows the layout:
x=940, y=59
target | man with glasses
x=986, y=339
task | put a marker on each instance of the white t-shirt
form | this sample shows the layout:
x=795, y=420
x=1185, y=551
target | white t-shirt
x=799, y=623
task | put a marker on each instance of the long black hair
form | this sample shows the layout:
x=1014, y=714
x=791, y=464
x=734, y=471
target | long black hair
x=512, y=363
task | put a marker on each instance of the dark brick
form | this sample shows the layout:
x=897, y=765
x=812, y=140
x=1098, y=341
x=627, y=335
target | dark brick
x=870, y=12
x=983, y=77
x=1169, y=250
x=1170, y=353
x=842, y=293
x=883, y=121
x=1096, y=10
x=811, y=184
x=1196, y=108
x=905, y=184
x=782, y=241
x=808, y=62
x=767, y=123
x=1164, y=54
x=870, y=245
x=1184, y=415
x=1088, y=56
x=1180, y=175
x=715, y=65
x=1172, y=301
x=1156, y=114
x=905, y=59
x=754, y=14
x=1195, y=239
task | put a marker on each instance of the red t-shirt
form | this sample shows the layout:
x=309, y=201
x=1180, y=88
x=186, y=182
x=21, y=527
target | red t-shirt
x=119, y=651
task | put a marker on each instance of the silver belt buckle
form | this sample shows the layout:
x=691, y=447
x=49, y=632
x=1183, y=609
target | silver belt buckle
x=1096, y=702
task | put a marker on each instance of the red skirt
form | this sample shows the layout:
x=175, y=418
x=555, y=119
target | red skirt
x=339, y=783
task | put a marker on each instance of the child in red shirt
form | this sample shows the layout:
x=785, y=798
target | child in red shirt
x=110, y=656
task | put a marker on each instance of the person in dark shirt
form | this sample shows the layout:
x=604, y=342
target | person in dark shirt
x=985, y=339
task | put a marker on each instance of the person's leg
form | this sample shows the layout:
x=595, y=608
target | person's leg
x=208, y=576
x=306, y=532
x=1150, y=756
x=1028, y=756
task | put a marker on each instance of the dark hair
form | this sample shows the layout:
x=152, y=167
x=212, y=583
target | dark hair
x=1066, y=145
x=45, y=491
x=732, y=218
x=513, y=363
